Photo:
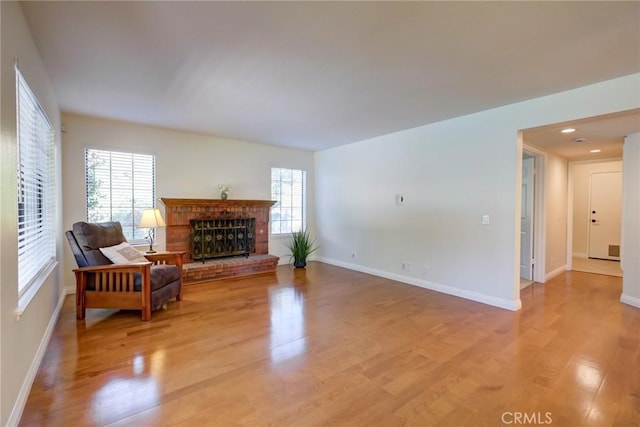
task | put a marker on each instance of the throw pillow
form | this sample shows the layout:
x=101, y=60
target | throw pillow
x=123, y=253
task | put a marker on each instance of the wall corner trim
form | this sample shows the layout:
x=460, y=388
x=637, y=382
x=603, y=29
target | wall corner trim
x=550, y=275
x=629, y=300
x=25, y=389
x=437, y=287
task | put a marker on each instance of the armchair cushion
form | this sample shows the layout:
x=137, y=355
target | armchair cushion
x=122, y=253
x=93, y=236
x=161, y=275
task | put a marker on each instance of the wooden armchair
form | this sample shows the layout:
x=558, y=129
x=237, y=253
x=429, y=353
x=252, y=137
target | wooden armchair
x=144, y=286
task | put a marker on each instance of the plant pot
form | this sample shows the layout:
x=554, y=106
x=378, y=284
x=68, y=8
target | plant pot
x=224, y=196
x=300, y=264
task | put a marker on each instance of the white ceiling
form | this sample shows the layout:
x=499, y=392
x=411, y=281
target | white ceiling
x=605, y=133
x=318, y=74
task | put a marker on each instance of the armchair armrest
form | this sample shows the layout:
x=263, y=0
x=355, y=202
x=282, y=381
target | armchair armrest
x=137, y=267
x=174, y=258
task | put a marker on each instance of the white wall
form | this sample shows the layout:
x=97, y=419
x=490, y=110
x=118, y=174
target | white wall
x=451, y=173
x=580, y=178
x=188, y=165
x=631, y=221
x=556, y=180
x=22, y=341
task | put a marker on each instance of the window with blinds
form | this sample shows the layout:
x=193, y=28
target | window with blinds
x=288, y=188
x=119, y=186
x=36, y=187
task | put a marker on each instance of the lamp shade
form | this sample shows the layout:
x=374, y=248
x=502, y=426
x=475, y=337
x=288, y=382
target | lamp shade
x=151, y=218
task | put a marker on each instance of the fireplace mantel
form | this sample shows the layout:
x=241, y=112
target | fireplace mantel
x=265, y=204
x=178, y=213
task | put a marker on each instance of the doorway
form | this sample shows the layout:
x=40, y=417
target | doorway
x=526, y=220
x=595, y=218
x=605, y=215
x=532, y=242
x=563, y=148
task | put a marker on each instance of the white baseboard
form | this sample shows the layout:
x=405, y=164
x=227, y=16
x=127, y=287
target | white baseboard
x=558, y=271
x=21, y=401
x=632, y=301
x=449, y=290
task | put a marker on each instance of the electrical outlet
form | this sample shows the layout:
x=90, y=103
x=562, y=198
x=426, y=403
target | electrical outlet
x=425, y=270
x=406, y=266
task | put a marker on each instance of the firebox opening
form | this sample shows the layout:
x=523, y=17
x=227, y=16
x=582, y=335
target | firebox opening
x=217, y=238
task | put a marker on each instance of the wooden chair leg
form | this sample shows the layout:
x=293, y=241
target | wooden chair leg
x=146, y=294
x=146, y=313
x=80, y=301
x=80, y=310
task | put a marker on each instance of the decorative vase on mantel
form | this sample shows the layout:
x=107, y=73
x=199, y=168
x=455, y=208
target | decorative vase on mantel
x=224, y=191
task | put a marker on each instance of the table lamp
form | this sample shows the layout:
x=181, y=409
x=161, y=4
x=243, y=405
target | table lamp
x=151, y=219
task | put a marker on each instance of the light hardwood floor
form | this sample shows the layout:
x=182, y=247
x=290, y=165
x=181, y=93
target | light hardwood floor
x=331, y=346
x=597, y=266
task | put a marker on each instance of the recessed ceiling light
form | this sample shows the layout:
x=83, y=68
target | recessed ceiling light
x=568, y=130
x=594, y=151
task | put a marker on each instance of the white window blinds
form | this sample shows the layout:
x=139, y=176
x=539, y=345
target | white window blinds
x=119, y=186
x=288, y=188
x=36, y=187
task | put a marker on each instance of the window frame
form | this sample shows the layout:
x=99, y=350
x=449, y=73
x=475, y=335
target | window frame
x=36, y=241
x=278, y=205
x=136, y=210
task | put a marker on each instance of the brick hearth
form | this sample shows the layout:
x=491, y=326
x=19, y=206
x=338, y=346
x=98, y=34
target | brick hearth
x=225, y=268
x=178, y=213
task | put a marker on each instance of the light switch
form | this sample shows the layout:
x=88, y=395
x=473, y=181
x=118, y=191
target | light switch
x=485, y=219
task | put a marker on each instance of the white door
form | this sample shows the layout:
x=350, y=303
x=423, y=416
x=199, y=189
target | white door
x=605, y=206
x=526, y=220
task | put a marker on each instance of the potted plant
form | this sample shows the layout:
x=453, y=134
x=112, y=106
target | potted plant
x=301, y=245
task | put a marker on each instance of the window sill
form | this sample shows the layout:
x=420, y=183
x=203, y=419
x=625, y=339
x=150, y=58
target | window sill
x=139, y=245
x=280, y=236
x=139, y=242
x=30, y=293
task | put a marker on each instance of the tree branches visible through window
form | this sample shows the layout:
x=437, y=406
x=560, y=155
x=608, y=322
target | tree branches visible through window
x=119, y=186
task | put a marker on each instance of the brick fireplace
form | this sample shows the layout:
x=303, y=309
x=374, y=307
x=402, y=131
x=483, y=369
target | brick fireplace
x=180, y=215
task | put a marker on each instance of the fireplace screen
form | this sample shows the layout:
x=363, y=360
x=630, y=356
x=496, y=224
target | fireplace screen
x=214, y=238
